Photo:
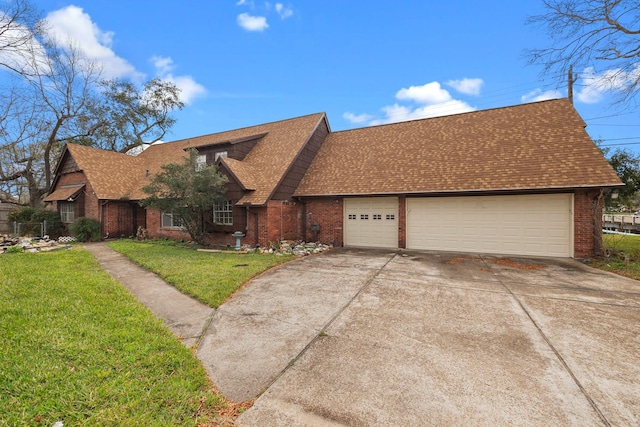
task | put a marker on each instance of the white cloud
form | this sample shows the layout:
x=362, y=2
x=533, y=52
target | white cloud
x=433, y=101
x=72, y=24
x=189, y=88
x=595, y=86
x=163, y=65
x=357, y=118
x=284, y=12
x=399, y=113
x=540, y=95
x=430, y=93
x=467, y=86
x=28, y=52
x=252, y=23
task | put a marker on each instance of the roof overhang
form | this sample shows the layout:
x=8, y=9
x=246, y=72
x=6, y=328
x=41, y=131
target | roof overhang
x=464, y=192
x=67, y=193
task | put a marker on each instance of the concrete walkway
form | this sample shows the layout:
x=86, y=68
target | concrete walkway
x=186, y=317
x=255, y=336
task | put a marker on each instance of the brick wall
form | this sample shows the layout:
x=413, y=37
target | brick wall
x=327, y=213
x=587, y=220
x=283, y=221
x=155, y=230
x=402, y=222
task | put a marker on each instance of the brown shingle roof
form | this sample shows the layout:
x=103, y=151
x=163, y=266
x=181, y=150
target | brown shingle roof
x=242, y=172
x=64, y=192
x=120, y=176
x=540, y=145
x=111, y=174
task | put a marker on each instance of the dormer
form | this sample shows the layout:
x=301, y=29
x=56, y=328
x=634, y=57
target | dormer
x=235, y=149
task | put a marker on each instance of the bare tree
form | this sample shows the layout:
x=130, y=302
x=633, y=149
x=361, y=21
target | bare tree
x=593, y=33
x=52, y=94
x=20, y=27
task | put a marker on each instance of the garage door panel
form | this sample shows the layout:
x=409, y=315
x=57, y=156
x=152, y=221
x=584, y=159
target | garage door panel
x=371, y=222
x=522, y=225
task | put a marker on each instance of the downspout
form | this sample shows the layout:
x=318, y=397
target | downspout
x=281, y=203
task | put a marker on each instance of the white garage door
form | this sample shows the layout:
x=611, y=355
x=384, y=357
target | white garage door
x=520, y=225
x=371, y=222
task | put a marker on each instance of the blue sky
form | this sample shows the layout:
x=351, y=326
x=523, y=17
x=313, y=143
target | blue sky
x=242, y=62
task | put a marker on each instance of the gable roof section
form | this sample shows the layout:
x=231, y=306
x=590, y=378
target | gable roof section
x=533, y=146
x=243, y=173
x=111, y=174
x=278, y=146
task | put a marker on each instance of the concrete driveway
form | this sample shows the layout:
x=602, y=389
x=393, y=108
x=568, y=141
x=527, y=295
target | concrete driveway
x=417, y=338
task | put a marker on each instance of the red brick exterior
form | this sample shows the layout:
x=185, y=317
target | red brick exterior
x=324, y=220
x=121, y=218
x=321, y=220
x=587, y=223
x=402, y=222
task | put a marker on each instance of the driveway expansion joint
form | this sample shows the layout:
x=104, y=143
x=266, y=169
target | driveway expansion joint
x=334, y=317
x=554, y=349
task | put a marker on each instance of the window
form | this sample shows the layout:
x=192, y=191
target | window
x=391, y=217
x=377, y=216
x=67, y=211
x=364, y=216
x=201, y=162
x=171, y=220
x=353, y=216
x=220, y=154
x=223, y=212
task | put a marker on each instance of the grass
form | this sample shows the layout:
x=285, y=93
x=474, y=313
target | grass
x=210, y=277
x=622, y=255
x=78, y=348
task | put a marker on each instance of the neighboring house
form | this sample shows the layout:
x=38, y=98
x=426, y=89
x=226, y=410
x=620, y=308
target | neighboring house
x=522, y=180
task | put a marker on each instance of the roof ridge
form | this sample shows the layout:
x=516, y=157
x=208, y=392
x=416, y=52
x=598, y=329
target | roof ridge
x=504, y=107
x=242, y=128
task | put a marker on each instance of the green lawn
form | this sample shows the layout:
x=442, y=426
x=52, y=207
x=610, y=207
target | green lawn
x=76, y=347
x=622, y=255
x=211, y=277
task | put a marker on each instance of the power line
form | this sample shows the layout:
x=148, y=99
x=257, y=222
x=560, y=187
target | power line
x=621, y=143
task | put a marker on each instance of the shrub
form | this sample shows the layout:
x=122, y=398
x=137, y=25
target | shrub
x=85, y=229
x=31, y=218
x=14, y=249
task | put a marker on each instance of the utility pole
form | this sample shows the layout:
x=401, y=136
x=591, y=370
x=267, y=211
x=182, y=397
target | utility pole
x=571, y=79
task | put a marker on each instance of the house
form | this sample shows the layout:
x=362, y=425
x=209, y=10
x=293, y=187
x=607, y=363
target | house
x=521, y=180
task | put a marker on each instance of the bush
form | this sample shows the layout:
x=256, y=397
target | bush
x=15, y=249
x=31, y=218
x=85, y=229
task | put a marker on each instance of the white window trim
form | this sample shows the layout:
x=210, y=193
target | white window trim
x=67, y=211
x=223, y=212
x=201, y=162
x=173, y=220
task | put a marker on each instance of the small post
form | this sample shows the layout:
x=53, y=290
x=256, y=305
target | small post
x=571, y=79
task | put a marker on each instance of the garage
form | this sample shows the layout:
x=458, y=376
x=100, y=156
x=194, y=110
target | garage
x=371, y=222
x=538, y=225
